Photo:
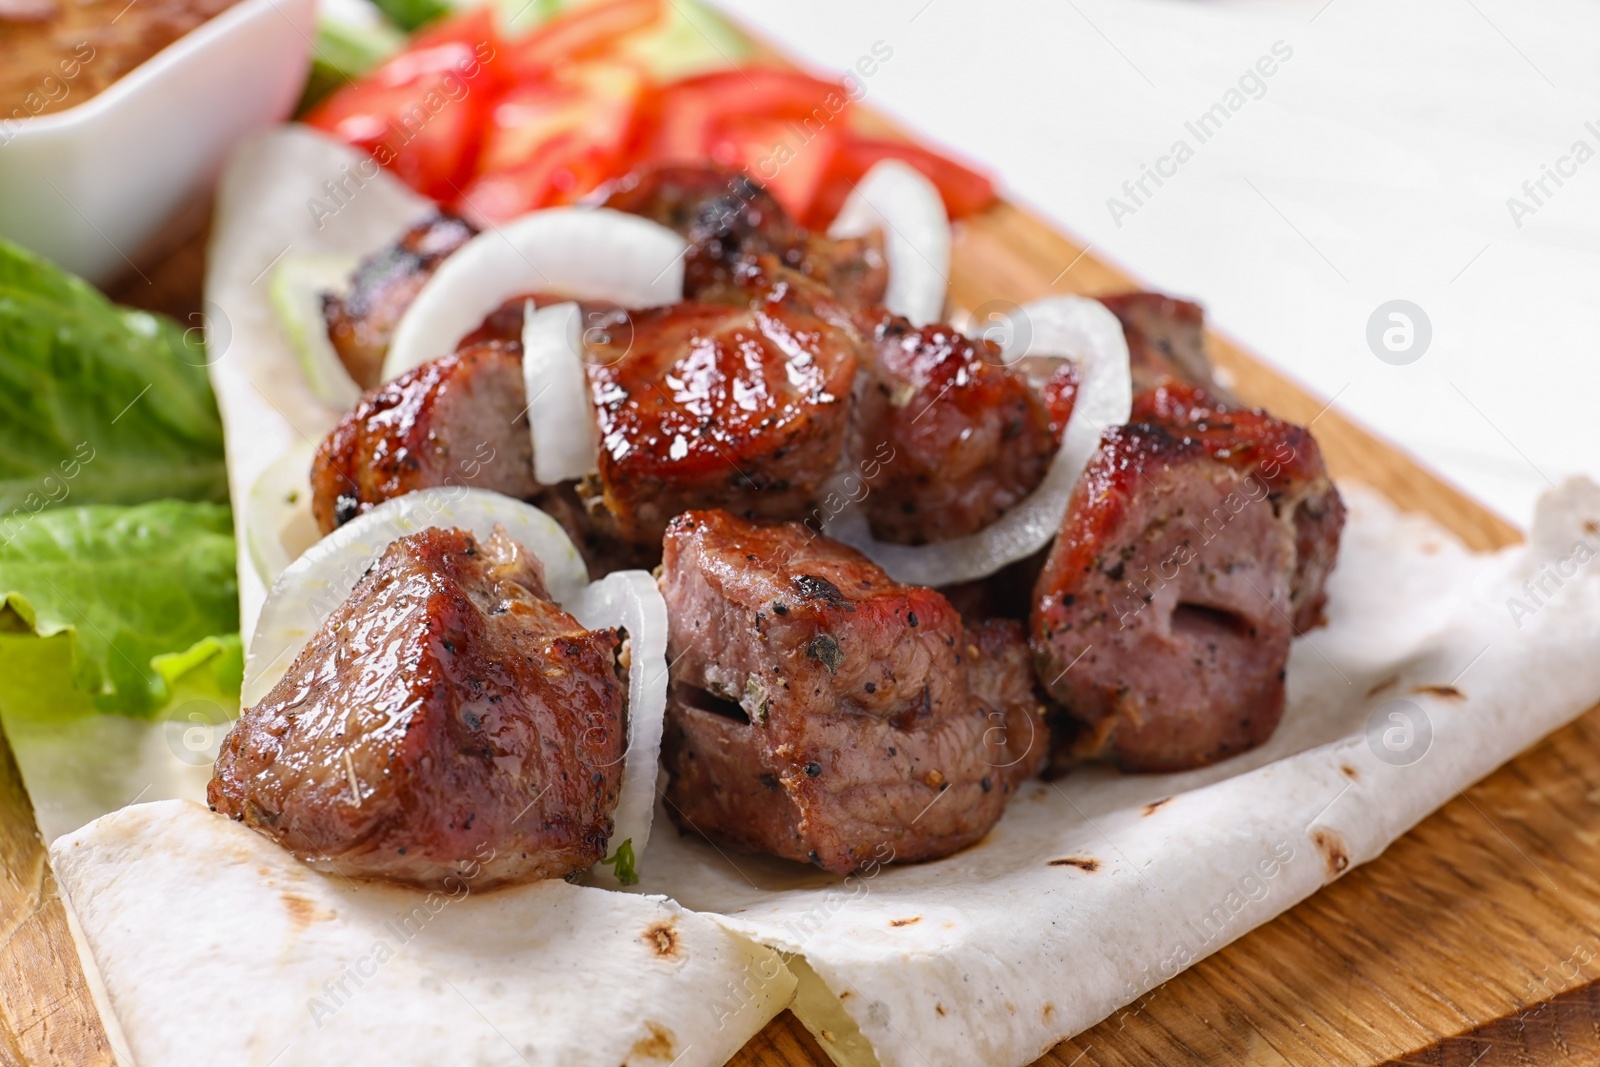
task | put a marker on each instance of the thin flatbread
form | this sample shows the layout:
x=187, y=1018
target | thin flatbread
x=216, y=946
x=1436, y=666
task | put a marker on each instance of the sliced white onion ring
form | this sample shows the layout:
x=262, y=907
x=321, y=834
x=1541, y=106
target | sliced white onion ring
x=313, y=586
x=277, y=521
x=898, y=199
x=1068, y=327
x=563, y=432
x=295, y=291
x=582, y=253
x=631, y=601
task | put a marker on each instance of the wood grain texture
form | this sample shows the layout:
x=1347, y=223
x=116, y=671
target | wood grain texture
x=46, y=1013
x=1487, y=907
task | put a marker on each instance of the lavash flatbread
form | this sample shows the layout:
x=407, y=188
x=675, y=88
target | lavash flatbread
x=1094, y=889
x=216, y=946
x=1089, y=892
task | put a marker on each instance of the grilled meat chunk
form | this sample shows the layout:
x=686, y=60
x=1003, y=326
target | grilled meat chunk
x=361, y=324
x=1161, y=619
x=457, y=420
x=969, y=436
x=1281, y=454
x=704, y=405
x=820, y=710
x=447, y=720
x=1166, y=340
x=727, y=218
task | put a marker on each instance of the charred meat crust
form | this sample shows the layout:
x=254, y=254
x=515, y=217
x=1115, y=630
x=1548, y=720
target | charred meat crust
x=1166, y=340
x=970, y=436
x=820, y=711
x=457, y=420
x=448, y=719
x=361, y=323
x=1161, y=617
x=728, y=219
x=712, y=405
x=1282, y=455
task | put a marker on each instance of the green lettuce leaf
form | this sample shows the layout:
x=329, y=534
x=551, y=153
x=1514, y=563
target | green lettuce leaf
x=98, y=404
x=118, y=609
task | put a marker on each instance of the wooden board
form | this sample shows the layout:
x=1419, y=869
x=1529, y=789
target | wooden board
x=1489, y=906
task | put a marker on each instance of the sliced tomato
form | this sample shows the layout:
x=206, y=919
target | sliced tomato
x=559, y=171
x=965, y=191
x=690, y=114
x=579, y=32
x=789, y=156
x=551, y=142
x=422, y=114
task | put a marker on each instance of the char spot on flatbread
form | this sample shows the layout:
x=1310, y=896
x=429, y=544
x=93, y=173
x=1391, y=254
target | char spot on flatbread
x=658, y=1044
x=1049, y=1010
x=905, y=922
x=1446, y=692
x=662, y=937
x=1156, y=805
x=1083, y=863
x=303, y=912
x=1349, y=772
x=1335, y=854
x=1387, y=683
x=939, y=1008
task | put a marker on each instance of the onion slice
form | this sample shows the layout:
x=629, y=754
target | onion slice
x=1064, y=327
x=630, y=600
x=277, y=521
x=313, y=586
x=564, y=444
x=899, y=200
x=582, y=253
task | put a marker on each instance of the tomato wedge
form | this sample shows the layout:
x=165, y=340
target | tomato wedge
x=422, y=114
x=692, y=113
x=965, y=191
x=789, y=158
x=550, y=142
x=577, y=33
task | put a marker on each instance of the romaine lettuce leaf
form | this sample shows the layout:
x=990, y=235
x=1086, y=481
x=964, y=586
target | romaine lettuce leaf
x=98, y=404
x=117, y=609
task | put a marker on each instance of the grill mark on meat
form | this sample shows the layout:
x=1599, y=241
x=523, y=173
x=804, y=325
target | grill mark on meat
x=880, y=741
x=720, y=405
x=457, y=420
x=361, y=323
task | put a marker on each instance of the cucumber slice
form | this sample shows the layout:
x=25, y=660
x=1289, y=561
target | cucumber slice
x=692, y=39
x=277, y=520
x=352, y=37
x=296, y=291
